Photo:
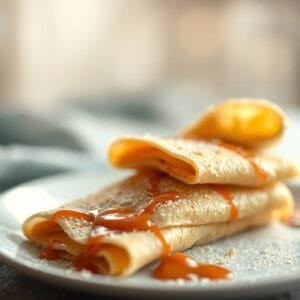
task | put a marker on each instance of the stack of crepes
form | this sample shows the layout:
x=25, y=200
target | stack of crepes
x=210, y=181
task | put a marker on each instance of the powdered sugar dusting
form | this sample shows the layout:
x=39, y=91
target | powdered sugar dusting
x=255, y=254
x=251, y=256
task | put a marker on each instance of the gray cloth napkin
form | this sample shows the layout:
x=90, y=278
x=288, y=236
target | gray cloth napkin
x=76, y=137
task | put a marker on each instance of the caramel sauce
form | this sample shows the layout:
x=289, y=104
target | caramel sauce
x=260, y=172
x=179, y=265
x=84, y=260
x=154, y=181
x=67, y=213
x=49, y=253
x=172, y=266
x=120, y=221
x=126, y=220
x=159, y=200
x=223, y=191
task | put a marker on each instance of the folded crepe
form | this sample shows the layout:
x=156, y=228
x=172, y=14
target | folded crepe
x=201, y=214
x=247, y=122
x=209, y=188
x=201, y=161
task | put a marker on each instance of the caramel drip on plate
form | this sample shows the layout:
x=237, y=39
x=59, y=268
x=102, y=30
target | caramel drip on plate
x=172, y=265
x=260, y=172
x=223, y=191
x=179, y=265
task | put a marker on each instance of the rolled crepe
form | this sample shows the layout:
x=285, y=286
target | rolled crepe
x=199, y=216
x=248, y=122
x=200, y=162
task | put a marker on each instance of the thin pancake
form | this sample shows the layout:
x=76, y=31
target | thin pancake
x=123, y=254
x=200, y=215
x=248, y=122
x=200, y=162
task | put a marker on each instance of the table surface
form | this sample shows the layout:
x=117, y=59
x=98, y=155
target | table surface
x=14, y=285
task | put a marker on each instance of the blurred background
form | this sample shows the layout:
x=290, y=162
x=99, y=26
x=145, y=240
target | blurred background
x=74, y=74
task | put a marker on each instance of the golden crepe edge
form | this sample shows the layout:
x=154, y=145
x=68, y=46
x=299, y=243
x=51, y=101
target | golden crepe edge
x=198, y=162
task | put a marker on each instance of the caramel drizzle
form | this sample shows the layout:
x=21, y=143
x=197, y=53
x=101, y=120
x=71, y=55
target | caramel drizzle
x=223, y=191
x=65, y=213
x=260, y=172
x=49, y=253
x=179, y=265
x=172, y=265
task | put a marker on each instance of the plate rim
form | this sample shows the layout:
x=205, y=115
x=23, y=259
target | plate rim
x=276, y=283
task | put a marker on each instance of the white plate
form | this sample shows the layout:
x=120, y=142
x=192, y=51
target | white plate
x=267, y=260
